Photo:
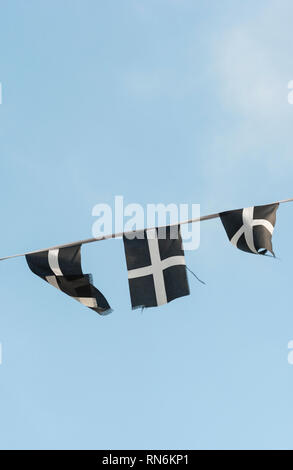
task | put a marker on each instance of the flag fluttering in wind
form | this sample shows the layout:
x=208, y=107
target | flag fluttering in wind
x=156, y=267
x=251, y=229
x=157, y=272
x=62, y=269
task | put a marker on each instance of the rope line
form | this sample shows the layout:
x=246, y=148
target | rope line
x=119, y=235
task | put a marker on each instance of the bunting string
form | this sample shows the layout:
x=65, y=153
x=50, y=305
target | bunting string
x=156, y=266
x=121, y=234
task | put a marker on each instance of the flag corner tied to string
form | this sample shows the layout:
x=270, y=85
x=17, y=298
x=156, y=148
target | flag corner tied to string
x=156, y=267
x=251, y=229
x=62, y=269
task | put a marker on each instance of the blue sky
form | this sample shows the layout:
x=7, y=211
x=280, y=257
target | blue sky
x=172, y=101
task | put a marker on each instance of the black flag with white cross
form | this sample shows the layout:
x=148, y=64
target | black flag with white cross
x=251, y=229
x=156, y=267
x=62, y=269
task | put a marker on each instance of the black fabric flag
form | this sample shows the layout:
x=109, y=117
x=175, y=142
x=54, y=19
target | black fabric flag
x=251, y=229
x=62, y=269
x=156, y=267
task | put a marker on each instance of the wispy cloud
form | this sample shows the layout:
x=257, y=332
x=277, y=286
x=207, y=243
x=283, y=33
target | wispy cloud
x=252, y=67
x=250, y=76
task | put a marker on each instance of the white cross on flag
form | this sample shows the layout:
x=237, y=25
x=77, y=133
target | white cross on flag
x=156, y=267
x=62, y=269
x=251, y=229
